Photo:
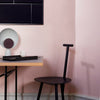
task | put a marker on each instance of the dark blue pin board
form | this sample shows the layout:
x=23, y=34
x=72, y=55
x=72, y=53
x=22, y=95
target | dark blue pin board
x=21, y=12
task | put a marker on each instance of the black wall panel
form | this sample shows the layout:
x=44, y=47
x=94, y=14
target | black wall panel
x=6, y=1
x=21, y=11
x=28, y=1
x=36, y=16
x=15, y=13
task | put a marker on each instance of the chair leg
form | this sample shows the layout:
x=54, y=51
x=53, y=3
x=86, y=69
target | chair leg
x=40, y=89
x=56, y=92
x=62, y=90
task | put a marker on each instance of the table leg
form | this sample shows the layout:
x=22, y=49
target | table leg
x=15, y=82
x=5, y=92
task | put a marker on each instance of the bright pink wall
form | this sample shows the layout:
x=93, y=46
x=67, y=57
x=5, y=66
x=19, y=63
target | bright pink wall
x=87, y=40
x=43, y=40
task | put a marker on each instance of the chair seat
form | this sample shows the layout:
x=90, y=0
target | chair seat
x=53, y=80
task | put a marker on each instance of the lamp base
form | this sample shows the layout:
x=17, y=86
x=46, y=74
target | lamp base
x=8, y=52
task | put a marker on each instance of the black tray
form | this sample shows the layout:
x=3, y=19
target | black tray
x=19, y=58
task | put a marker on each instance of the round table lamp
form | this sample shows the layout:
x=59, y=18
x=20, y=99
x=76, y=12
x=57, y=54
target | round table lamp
x=8, y=39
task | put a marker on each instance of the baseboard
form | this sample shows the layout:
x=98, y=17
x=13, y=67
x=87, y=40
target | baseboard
x=30, y=96
x=10, y=96
x=83, y=97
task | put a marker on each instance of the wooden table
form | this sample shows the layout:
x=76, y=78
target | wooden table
x=38, y=62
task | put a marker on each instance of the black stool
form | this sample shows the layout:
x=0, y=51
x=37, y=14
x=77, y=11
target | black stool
x=56, y=80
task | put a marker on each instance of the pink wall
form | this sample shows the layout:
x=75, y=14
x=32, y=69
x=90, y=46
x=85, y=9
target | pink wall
x=87, y=40
x=46, y=40
x=43, y=40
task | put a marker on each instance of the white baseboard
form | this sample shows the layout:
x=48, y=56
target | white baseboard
x=30, y=96
x=10, y=96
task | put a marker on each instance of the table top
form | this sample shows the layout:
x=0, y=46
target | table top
x=38, y=62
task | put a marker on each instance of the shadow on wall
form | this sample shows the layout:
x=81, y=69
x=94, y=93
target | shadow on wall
x=1, y=79
x=88, y=67
x=10, y=79
x=71, y=63
x=71, y=87
x=27, y=75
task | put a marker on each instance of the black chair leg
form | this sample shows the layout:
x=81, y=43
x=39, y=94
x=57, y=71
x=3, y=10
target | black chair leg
x=56, y=92
x=40, y=89
x=62, y=90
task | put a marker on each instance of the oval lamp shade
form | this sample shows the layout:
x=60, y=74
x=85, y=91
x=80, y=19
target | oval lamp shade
x=8, y=39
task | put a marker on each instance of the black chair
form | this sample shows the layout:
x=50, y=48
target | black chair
x=56, y=80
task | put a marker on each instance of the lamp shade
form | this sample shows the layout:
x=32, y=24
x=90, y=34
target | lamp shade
x=8, y=39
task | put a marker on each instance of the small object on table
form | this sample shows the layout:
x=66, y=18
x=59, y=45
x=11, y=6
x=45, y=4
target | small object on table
x=19, y=58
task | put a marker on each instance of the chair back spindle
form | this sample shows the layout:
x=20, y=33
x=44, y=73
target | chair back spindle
x=66, y=58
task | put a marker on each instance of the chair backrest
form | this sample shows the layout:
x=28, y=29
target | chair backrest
x=66, y=58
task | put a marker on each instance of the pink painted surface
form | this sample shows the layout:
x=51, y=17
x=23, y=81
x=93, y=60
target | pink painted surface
x=43, y=40
x=47, y=40
x=87, y=40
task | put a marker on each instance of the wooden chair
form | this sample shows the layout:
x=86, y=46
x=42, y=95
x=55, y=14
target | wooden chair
x=56, y=80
